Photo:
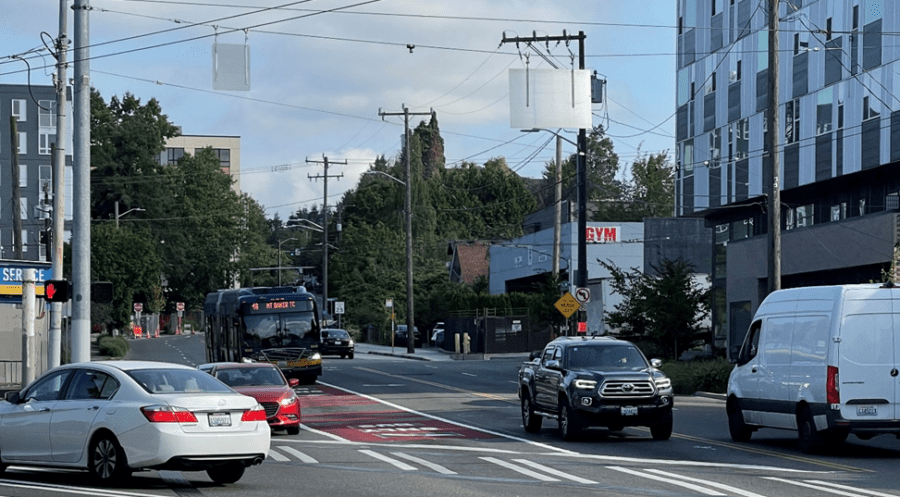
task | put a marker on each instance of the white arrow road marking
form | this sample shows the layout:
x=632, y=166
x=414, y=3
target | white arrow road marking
x=519, y=469
x=854, y=493
x=555, y=472
x=390, y=460
x=696, y=488
x=299, y=455
x=721, y=486
x=423, y=462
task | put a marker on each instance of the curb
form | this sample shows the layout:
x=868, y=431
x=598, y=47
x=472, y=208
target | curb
x=710, y=395
x=402, y=356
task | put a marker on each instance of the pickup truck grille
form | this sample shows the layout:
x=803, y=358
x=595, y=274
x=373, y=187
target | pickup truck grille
x=627, y=389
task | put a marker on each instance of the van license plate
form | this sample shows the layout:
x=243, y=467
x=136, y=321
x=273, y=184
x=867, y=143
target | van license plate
x=219, y=419
x=867, y=411
x=629, y=411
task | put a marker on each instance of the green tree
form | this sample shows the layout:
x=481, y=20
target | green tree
x=668, y=309
x=652, y=192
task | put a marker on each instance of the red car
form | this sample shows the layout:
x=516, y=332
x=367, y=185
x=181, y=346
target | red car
x=267, y=384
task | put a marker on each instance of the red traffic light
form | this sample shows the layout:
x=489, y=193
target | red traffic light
x=57, y=290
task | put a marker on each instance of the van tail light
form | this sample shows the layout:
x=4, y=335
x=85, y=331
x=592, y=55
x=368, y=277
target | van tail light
x=255, y=414
x=168, y=414
x=832, y=393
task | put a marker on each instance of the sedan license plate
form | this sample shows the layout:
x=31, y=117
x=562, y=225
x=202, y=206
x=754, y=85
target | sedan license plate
x=629, y=411
x=867, y=411
x=219, y=419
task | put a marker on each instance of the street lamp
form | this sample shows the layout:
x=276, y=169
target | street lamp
x=410, y=327
x=117, y=215
x=279, y=257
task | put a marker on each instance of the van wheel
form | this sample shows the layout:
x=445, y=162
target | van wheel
x=530, y=420
x=810, y=438
x=739, y=430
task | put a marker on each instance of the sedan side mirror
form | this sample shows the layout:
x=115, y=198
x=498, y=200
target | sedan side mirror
x=13, y=397
x=293, y=382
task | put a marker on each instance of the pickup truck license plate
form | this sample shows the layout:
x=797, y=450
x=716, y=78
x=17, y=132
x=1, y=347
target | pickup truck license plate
x=629, y=411
x=867, y=411
x=219, y=419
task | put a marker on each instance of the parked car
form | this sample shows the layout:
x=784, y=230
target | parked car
x=267, y=384
x=600, y=381
x=437, y=334
x=400, y=336
x=821, y=361
x=336, y=341
x=116, y=417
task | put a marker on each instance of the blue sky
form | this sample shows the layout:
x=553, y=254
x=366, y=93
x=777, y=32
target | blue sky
x=322, y=69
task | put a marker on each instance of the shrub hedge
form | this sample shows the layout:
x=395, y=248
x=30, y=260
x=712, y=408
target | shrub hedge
x=113, y=347
x=709, y=375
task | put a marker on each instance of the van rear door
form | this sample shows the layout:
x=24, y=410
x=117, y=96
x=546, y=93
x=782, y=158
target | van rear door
x=868, y=353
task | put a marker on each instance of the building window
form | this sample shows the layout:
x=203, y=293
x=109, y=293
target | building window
x=721, y=240
x=171, y=156
x=45, y=142
x=19, y=109
x=47, y=113
x=855, y=17
x=715, y=147
x=741, y=139
x=687, y=165
x=804, y=216
x=23, y=176
x=224, y=155
x=742, y=229
x=23, y=143
x=870, y=108
x=23, y=209
x=792, y=121
x=862, y=207
x=517, y=261
x=801, y=42
x=823, y=111
x=828, y=29
x=892, y=201
x=45, y=173
x=839, y=211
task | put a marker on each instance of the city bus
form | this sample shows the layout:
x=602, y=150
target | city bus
x=279, y=325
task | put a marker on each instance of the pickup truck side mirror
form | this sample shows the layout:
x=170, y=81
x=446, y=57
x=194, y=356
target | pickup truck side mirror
x=655, y=363
x=553, y=364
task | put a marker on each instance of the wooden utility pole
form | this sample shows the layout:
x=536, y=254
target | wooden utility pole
x=410, y=327
x=774, y=189
x=324, y=227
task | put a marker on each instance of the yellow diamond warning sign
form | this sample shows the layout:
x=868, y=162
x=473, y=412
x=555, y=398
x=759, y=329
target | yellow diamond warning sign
x=567, y=305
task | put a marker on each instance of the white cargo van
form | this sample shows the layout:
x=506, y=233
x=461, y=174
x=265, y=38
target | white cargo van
x=820, y=360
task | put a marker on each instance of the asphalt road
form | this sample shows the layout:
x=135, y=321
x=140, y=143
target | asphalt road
x=386, y=426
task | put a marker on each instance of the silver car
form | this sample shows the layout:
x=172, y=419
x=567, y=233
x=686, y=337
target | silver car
x=116, y=417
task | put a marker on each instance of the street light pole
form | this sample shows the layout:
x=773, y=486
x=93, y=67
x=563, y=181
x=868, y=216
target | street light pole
x=117, y=215
x=279, y=257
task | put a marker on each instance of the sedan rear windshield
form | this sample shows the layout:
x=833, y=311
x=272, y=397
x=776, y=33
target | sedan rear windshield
x=178, y=381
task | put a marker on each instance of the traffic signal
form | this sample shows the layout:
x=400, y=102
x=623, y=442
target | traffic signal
x=57, y=290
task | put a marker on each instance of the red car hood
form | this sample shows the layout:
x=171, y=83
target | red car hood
x=265, y=394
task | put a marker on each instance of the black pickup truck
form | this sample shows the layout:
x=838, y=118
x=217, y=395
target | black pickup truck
x=595, y=381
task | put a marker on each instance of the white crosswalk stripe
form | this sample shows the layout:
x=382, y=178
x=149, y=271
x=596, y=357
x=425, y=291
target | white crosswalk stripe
x=555, y=472
x=831, y=488
x=518, y=469
x=423, y=462
x=277, y=456
x=390, y=460
x=696, y=488
x=299, y=455
x=720, y=486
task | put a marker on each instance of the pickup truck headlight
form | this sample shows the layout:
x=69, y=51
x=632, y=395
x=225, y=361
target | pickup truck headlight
x=663, y=383
x=585, y=384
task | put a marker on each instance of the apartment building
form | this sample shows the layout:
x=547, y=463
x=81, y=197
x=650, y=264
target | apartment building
x=226, y=148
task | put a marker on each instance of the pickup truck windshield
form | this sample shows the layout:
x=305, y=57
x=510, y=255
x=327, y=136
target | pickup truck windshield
x=608, y=358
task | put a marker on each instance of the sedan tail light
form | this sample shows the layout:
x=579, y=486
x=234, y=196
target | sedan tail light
x=168, y=414
x=255, y=414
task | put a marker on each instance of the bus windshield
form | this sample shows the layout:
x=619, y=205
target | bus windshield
x=294, y=329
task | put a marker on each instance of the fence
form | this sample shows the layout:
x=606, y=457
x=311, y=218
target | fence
x=493, y=334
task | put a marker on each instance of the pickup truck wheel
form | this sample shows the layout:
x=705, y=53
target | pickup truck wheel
x=569, y=421
x=810, y=439
x=739, y=430
x=663, y=429
x=530, y=420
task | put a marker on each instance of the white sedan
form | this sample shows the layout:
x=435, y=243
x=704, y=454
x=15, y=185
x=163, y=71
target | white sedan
x=115, y=417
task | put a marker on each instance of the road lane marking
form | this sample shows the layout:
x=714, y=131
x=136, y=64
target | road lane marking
x=518, y=469
x=470, y=374
x=390, y=460
x=423, y=462
x=278, y=457
x=845, y=487
x=325, y=434
x=855, y=492
x=721, y=486
x=299, y=455
x=691, y=486
x=50, y=487
x=555, y=472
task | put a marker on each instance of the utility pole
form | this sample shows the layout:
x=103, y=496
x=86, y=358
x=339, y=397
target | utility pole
x=54, y=338
x=324, y=226
x=774, y=189
x=557, y=208
x=410, y=327
x=16, y=195
x=80, y=338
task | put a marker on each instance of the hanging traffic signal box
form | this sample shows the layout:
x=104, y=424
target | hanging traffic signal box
x=57, y=290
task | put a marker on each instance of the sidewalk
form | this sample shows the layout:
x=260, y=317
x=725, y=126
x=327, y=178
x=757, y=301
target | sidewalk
x=433, y=353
